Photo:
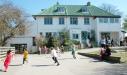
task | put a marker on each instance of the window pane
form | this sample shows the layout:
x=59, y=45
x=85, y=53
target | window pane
x=116, y=20
x=105, y=20
x=86, y=21
x=111, y=20
x=101, y=20
x=73, y=20
x=60, y=9
x=75, y=36
x=61, y=20
x=48, y=20
x=84, y=9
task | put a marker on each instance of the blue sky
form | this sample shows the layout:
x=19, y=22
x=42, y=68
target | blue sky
x=34, y=6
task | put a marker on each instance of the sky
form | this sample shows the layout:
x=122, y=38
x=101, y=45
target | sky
x=34, y=6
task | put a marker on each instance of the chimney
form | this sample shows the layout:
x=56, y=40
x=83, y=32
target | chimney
x=88, y=3
x=57, y=3
x=42, y=9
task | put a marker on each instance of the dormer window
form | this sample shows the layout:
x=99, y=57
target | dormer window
x=60, y=9
x=84, y=9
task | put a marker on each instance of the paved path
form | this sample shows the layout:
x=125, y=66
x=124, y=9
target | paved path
x=43, y=65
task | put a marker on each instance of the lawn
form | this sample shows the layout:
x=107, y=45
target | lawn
x=122, y=54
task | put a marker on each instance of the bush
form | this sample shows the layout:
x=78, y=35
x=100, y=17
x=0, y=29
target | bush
x=76, y=42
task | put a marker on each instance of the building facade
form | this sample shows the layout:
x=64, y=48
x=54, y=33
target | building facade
x=81, y=21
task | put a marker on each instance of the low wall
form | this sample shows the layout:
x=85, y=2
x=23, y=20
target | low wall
x=3, y=51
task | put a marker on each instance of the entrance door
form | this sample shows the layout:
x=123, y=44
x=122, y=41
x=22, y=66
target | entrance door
x=19, y=47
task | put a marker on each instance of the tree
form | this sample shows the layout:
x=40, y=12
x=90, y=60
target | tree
x=64, y=37
x=13, y=21
x=125, y=24
x=111, y=9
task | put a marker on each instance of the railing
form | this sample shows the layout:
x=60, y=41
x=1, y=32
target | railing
x=3, y=52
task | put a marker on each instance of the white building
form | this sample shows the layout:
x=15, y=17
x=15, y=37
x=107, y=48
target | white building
x=80, y=20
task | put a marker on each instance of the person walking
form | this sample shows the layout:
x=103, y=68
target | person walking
x=39, y=49
x=7, y=60
x=73, y=51
x=54, y=56
x=45, y=49
x=62, y=49
x=25, y=56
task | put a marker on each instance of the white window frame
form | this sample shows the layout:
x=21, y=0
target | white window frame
x=48, y=20
x=86, y=21
x=74, y=20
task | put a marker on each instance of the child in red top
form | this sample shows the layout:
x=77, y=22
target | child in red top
x=7, y=60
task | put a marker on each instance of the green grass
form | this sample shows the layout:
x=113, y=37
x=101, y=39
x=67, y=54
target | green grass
x=121, y=54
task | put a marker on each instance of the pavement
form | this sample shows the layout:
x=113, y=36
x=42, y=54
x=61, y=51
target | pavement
x=44, y=65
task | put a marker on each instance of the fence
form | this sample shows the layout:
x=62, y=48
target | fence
x=3, y=51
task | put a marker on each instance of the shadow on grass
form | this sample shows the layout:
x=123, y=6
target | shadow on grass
x=110, y=59
x=41, y=65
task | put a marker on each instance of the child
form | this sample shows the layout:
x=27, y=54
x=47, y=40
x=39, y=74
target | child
x=108, y=51
x=7, y=60
x=45, y=50
x=58, y=51
x=102, y=52
x=73, y=51
x=54, y=56
x=25, y=56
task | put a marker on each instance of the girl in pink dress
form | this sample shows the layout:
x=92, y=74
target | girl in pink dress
x=7, y=60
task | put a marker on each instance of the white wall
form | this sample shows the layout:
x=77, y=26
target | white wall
x=55, y=27
x=108, y=27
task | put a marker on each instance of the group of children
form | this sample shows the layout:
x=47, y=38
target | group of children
x=55, y=53
x=9, y=57
x=105, y=51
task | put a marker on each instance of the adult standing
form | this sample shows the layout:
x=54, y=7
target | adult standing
x=103, y=42
x=39, y=49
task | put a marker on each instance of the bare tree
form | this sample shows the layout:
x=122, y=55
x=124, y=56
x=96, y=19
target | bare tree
x=111, y=9
x=12, y=22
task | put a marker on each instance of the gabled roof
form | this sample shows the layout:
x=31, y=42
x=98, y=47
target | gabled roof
x=75, y=10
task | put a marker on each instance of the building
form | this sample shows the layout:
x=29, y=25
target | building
x=82, y=21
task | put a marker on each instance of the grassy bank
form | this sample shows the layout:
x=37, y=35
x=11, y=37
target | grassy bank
x=121, y=54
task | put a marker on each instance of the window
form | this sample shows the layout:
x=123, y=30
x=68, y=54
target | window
x=116, y=20
x=84, y=9
x=55, y=34
x=74, y=20
x=60, y=9
x=111, y=20
x=103, y=20
x=48, y=20
x=34, y=41
x=86, y=21
x=48, y=34
x=75, y=36
x=61, y=20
